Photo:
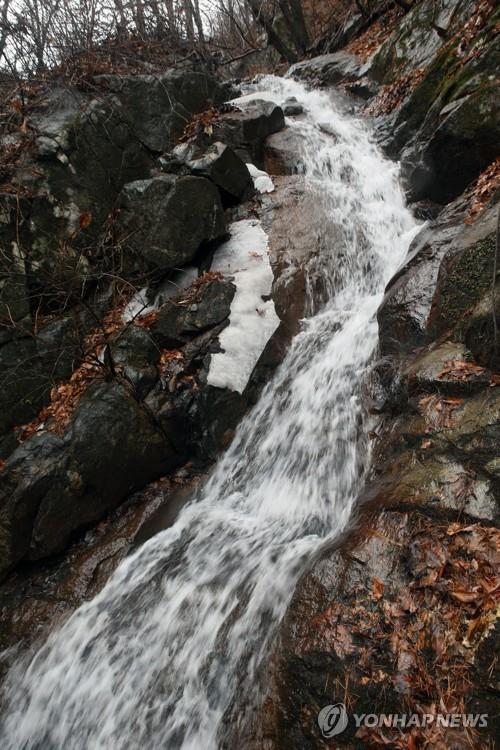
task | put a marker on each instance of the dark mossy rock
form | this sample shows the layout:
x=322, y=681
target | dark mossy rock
x=415, y=40
x=24, y=385
x=480, y=329
x=86, y=148
x=158, y=107
x=464, y=143
x=221, y=165
x=52, y=486
x=165, y=220
x=135, y=349
x=247, y=129
x=177, y=322
x=60, y=343
x=14, y=296
x=403, y=313
x=465, y=274
x=446, y=130
x=30, y=474
x=449, y=265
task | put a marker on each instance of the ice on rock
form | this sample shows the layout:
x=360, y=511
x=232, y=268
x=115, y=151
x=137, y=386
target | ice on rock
x=263, y=183
x=252, y=320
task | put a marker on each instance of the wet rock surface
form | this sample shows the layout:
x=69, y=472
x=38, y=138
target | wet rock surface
x=166, y=219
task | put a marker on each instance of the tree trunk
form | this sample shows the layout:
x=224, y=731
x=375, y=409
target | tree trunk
x=279, y=44
x=294, y=19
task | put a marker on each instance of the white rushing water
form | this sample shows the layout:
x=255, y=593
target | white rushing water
x=175, y=640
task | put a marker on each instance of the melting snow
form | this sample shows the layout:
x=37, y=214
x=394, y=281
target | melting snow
x=140, y=305
x=263, y=183
x=252, y=321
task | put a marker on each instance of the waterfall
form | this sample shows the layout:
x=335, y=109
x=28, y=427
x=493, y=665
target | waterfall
x=182, y=629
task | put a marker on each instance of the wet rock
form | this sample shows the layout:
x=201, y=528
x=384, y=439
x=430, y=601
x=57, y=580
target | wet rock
x=85, y=150
x=480, y=329
x=449, y=368
x=379, y=611
x=54, y=486
x=465, y=273
x=221, y=165
x=280, y=153
x=416, y=305
x=135, y=349
x=165, y=220
x=328, y=70
x=247, y=129
x=292, y=107
x=29, y=476
x=177, y=322
x=464, y=143
x=415, y=40
x=35, y=598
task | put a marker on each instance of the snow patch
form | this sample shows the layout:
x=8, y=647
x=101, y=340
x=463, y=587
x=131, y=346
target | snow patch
x=263, y=183
x=140, y=305
x=252, y=320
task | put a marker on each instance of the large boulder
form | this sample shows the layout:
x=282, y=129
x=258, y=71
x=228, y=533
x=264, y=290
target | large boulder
x=165, y=220
x=247, y=128
x=445, y=130
x=159, y=106
x=329, y=70
x=220, y=164
x=176, y=322
x=464, y=143
x=449, y=264
x=53, y=486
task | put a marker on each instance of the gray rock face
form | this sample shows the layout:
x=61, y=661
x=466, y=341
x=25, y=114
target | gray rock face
x=159, y=107
x=246, y=131
x=53, y=486
x=165, y=220
x=415, y=40
x=464, y=143
x=444, y=274
x=328, y=70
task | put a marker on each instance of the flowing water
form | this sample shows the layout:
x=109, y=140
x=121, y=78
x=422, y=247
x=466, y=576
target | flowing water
x=181, y=630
